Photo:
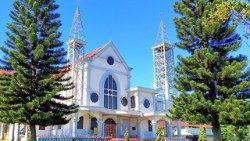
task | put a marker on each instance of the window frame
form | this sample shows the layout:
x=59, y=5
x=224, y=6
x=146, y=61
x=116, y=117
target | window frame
x=110, y=93
x=80, y=124
x=132, y=102
x=150, y=127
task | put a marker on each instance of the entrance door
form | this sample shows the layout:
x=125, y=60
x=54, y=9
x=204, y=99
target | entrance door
x=110, y=128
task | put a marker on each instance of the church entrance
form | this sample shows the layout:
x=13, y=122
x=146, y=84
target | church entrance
x=110, y=128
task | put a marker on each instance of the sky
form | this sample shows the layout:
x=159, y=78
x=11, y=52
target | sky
x=132, y=25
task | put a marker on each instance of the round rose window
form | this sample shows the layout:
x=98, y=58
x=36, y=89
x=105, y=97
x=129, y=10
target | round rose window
x=94, y=97
x=124, y=101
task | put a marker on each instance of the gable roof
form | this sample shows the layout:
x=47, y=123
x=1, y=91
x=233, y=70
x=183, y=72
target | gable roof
x=111, y=44
x=89, y=55
x=92, y=53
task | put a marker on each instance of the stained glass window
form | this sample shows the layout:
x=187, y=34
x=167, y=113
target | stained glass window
x=110, y=93
x=132, y=99
x=94, y=97
x=146, y=103
x=93, y=123
x=110, y=60
x=149, y=126
x=124, y=101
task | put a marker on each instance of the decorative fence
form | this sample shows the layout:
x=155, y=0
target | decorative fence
x=74, y=139
x=102, y=139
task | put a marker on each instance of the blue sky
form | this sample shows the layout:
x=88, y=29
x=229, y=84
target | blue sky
x=131, y=24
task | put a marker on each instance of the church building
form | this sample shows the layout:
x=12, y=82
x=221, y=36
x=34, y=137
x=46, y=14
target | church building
x=107, y=103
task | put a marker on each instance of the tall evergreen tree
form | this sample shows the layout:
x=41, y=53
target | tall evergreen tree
x=160, y=133
x=210, y=78
x=202, y=134
x=36, y=58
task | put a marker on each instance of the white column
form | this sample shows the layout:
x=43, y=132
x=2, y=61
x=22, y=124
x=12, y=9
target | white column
x=74, y=125
x=100, y=128
x=2, y=132
x=11, y=132
x=16, y=132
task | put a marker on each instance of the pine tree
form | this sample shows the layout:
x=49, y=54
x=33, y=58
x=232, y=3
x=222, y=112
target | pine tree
x=36, y=58
x=126, y=135
x=240, y=133
x=160, y=133
x=202, y=134
x=210, y=78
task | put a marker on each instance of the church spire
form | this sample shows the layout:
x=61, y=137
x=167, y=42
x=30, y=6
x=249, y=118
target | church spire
x=76, y=31
x=162, y=33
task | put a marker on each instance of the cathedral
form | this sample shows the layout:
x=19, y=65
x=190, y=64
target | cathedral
x=107, y=103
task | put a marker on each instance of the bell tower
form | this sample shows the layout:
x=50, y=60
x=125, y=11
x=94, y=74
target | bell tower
x=76, y=45
x=163, y=62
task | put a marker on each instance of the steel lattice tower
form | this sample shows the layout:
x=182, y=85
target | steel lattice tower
x=163, y=61
x=76, y=44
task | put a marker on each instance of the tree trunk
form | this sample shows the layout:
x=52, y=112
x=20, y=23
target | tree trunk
x=2, y=132
x=11, y=132
x=33, y=132
x=26, y=132
x=217, y=133
x=16, y=132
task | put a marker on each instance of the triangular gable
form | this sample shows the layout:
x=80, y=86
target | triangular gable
x=110, y=44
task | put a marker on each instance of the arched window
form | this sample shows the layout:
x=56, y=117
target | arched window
x=80, y=123
x=110, y=93
x=149, y=126
x=93, y=123
x=132, y=99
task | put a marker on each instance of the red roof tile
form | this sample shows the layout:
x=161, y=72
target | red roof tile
x=92, y=53
x=186, y=124
x=6, y=72
x=87, y=56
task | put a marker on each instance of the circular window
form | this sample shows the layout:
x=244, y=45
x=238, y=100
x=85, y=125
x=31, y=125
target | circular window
x=124, y=101
x=94, y=97
x=110, y=60
x=146, y=103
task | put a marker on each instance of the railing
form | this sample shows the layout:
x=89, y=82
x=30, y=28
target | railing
x=74, y=139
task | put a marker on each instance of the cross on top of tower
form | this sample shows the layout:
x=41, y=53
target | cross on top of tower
x=76, y=31
x=162, y=33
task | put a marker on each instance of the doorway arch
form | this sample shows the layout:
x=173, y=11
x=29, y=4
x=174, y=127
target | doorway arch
x=110, y=128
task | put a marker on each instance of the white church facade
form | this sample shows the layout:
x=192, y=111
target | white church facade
x=109, y=105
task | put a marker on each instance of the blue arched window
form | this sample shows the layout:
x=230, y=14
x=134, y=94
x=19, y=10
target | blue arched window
x=150, y=126
x=110, y=93
x=80, y=123
x=93, y=123
x=132, y=100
